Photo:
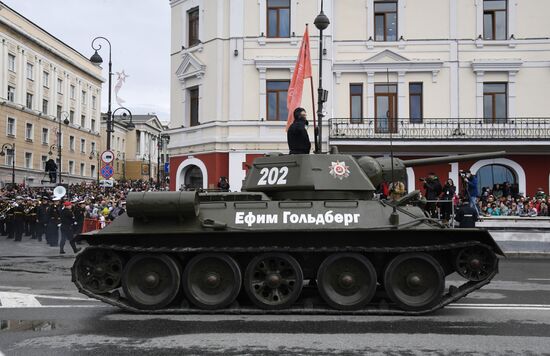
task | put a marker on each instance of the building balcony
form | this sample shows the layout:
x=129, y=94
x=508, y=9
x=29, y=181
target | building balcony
x=467, y=129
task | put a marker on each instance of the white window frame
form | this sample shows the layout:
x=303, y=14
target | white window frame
x=59, y=86
x=82, y=169
x=93, y=125
x=94, y=102
x=27, y=100
x=92, y=147
x=11, y=94
x=511, y=7
x=93, y=170
x=82, y=120
x=71, y=116
x=12, y=62
x=8, y=163
x=82, y=145
x=71, y=142
x=71, y=166
x=14, y=134
x=84, y=97
x=401, y=20
x=45, y=101
x=293, y=22
x=43, y=160
x=46, y=79
x=30, y=163
x=29, y=137
x=73, y=92
x=47, y=131
x=30, y=71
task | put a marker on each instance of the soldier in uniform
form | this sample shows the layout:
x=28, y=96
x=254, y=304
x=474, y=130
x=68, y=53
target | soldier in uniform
x=3, y=208
x=19, y=220
x=42, y=217
x=67, y=227
x=53, y=219
x=10, y=229
x=79, y=211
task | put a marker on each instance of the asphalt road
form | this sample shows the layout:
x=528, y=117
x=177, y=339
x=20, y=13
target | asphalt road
x=41, y=313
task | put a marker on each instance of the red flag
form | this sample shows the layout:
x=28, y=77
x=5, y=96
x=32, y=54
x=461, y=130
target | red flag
x=302, y=70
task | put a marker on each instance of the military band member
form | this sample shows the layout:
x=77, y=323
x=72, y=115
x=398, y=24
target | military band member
x=53, y=220
x=67, y=227
x=42, y=217
x=19, y=220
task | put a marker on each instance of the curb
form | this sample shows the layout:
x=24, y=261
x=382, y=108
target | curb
x=526, y=254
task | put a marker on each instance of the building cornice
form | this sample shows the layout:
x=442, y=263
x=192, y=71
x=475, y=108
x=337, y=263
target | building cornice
x=496, y=65
x=263, y=63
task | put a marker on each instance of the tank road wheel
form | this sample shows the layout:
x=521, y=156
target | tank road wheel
x=212, y=281
x=346, y=281
x=414, y=281
x=273, y=280
x=475, y=263
x=151, y=281
x=99, y=270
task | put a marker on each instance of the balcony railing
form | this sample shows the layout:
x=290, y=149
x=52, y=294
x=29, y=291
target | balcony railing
x=512, y=129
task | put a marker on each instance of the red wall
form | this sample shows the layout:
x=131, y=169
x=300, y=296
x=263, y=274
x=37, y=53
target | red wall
x=217, y=165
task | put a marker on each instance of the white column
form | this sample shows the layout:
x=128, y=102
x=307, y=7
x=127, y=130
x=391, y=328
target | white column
x=479, y=18
x=479, y=94
x=236, y=65
x=512, y=15
x=454, y=60
x=236, y=171
x=141, y=144
x=453, y=174
x=370, y=19
x=53, y=93
x=370, y=94
x=89, y=108
x=263, y=93
x=401, y=19
x=39, y=94
x=66, y=93
x=512, y=94
x=19, y=91
x=23, y=75
x=78, y=111
x=263, y=21
x=3, y=69
x=401, y=96
x=220, y=62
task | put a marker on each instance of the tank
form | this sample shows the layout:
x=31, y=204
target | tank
x=306, y=235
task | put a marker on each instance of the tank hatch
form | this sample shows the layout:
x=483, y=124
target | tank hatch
x=314, y=177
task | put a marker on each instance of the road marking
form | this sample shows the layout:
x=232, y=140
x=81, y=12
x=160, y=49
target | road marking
x=18, y=300
x=541, y=307
x=538, y=279
x=58, y=306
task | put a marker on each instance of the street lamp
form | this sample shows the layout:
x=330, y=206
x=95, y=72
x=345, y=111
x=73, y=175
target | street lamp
x=5, y=148
x=97, y=60
x=59, y=143
x=94, y=154
x=160, y=144
x=321, y=22
x=130, y=125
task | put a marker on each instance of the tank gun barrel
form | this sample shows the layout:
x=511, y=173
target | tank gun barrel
x=456, y=158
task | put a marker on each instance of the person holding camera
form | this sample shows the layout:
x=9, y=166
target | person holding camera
x=433, y=189
x=471, y=188
x=448, y=195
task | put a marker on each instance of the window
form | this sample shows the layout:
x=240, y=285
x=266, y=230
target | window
x=71, y=116
x=194, y=106
x=83, y=121
x=45, y=135
x=385, y=21
x=73, y=92
x=385, y=108
x=28, y=160
x=492, y=174
x=356, y=102
x=46, y=79
x=278, y=18
x=415, y=103
x=71, y=143
x=495, y=105
x=82, y=169
x=494, y=19
x=92, y=171
x=193, y=21
x=58, y=113
x=43, y=160
x=11, y=128
x=94, y=101
x=93, y=125
x=123, y=144
x=11, y=62
x=60, y=86
x=10, y=156
x=82, y=145
x=29, y=132
x=29, y=100
x=277, y=91
x=30, y=71
x=92, y=147
x=71, y=167
x=118, y=144
x=11, y=93
x=83, y=97
x=45, y=106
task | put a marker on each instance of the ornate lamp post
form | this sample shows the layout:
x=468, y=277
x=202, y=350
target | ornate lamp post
x=5, y=148
x=321, y=22
x=160, y=144
x=95, y=154
x=97, y=60
x=66, y=121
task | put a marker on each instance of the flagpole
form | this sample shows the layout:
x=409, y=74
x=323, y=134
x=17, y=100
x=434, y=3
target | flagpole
x=314, y=116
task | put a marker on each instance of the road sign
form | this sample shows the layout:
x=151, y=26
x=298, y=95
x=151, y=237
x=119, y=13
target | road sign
x=166, y=167
x=107, y=156
x=107, y=171
x=107, y=183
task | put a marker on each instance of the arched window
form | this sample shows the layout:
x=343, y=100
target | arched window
x=193, y=177
x=492, y=174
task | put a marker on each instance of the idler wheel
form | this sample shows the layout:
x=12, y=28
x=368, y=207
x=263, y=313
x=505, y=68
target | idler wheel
x=475, y=263
x=414, y=281
x=211, y=281
x=273, y=280
x=151, y=281
x=346, y=281
x=98, y=270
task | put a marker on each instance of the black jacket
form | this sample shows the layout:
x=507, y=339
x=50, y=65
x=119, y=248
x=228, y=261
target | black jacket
x=467, y=216
x=298, y=138
x=51, y=166
x=67, y=219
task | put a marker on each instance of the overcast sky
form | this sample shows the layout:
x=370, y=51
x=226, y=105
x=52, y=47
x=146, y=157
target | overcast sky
x=139, y=32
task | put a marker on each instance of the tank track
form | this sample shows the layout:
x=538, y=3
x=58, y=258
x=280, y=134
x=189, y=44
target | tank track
x=454, y=293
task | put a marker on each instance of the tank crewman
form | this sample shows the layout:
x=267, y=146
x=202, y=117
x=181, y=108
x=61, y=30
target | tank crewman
x=19, y=219
x=466, y=215
x=42, y=217
x=297, y=136
x=53, y=219
x=68, y=223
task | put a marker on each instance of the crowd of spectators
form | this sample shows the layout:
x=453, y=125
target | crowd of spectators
x=500, y=201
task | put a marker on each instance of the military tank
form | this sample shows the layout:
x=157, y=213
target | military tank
x=306, y=235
